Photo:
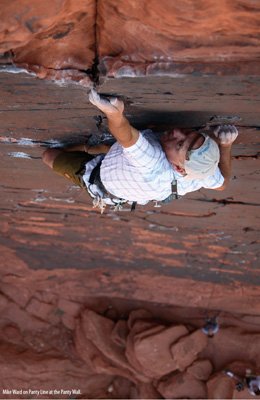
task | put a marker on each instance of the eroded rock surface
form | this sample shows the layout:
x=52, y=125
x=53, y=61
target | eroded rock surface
x=112, y=306
x=71, y=278
x=87, y=357
x=64, y=39
x=55, y=39
x=153, y=37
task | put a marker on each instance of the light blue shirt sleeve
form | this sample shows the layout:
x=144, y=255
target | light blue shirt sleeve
x=185, y=185
x=214, y=181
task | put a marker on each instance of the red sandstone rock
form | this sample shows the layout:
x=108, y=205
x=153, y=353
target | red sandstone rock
x=92, y=357
x=146, y=391
x=119, y=333
x=21, y=19
x=3, y=303
x=130, y=345
x=200, y=369
x=139, y=321
x=240, y=368
x=20, y=297
x=27, y=370
x=23, y=320
x=137, y=327
x=140, y=315
x=182, y=385
x=224, y=348
x=220, y=387
x=49, y=36
x=186, y=350
x=39, y=309
x=147, y=333
x=100, y=351
x=153, y=351
x=216, y=245
x=69, y=311
x=119, y=388
x=98, y=329
x=170, y=32
x=172, y=38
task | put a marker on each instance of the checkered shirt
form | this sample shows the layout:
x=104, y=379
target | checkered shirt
x=142, y=173
x=138, y=173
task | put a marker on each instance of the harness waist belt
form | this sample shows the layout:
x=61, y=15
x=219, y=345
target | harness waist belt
x=95, y=179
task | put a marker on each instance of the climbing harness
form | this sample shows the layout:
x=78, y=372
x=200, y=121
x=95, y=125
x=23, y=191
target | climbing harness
x=116, y=203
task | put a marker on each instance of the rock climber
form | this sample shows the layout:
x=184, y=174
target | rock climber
x=140, y=166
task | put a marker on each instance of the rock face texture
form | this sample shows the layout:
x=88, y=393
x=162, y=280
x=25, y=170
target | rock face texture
x=112, y=305
x=140, y=37
x=53, y=342
x=55, y=39
x=70, y=277
x=160, y=37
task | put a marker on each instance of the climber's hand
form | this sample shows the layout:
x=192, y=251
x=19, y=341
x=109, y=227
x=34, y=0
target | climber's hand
x=109, y=107
x=226, y=134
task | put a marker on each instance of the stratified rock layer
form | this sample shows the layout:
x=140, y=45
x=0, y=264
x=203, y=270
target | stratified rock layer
x=135, y=38
x=110, y=304
x=143, y=37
